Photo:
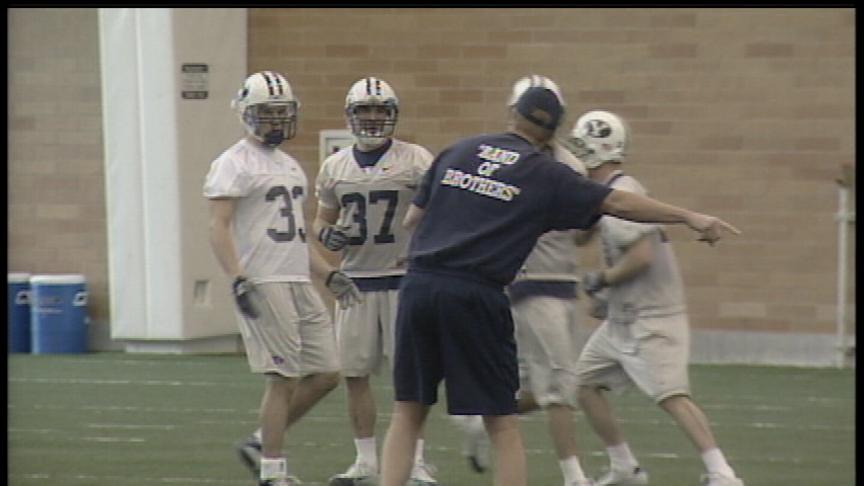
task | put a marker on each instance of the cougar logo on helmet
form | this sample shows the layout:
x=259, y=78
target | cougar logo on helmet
x=598, y=129
x=598, y=137
x=267, y=108
x=372, y=110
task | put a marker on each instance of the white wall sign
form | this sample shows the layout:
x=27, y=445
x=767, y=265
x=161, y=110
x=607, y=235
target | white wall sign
x=194, y=82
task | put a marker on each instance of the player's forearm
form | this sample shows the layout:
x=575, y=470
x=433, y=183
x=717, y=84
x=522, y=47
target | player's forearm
x=630, y=265
x=318, y=264
x=412, y=217
x=318, y=225
x=222, y=244
x=635, y=207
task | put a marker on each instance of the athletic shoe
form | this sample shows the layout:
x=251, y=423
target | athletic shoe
x=421, y=475
x=475, y=442
x=359, y=474
x=720, y=480
x=250, y=454
x=618, y=477
x=289, y=481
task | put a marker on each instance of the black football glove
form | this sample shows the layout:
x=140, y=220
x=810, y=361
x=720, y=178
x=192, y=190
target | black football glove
x=242, y=290
x=334, y=237
x=598, y=305
x=593, y=282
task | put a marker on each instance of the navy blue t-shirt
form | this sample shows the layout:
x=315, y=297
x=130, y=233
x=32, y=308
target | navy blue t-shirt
x=488, y=198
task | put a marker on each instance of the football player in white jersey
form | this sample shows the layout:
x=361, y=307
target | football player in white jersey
x=543, y=302
x=645, y=337
x=363, y=193
x=256, y=194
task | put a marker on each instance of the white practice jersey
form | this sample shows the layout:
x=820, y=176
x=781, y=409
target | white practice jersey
x=656, y=291
x=554, y=256
x=268, y=226
x=373, y=201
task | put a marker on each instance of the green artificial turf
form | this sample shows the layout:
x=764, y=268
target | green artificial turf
x=135, y=419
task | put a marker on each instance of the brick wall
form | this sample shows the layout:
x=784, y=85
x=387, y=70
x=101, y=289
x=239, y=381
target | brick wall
x=743, y=113
x=56, y=204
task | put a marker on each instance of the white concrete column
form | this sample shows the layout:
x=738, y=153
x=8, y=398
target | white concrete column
x=167, y=290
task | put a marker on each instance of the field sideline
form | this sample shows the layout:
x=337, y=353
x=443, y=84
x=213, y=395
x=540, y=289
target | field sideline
x=134, y=419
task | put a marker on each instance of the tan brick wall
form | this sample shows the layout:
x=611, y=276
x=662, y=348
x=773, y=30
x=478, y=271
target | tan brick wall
x=56, y=181
x=743, y=113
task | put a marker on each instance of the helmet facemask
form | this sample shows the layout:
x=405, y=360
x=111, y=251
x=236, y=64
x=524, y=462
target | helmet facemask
x=271, y=123
x=372, y=122
x=577, y=147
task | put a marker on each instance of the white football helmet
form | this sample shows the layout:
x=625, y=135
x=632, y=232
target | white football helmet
x=267, y=107
x=372, y=109
x=598, y=137
x=532, y=81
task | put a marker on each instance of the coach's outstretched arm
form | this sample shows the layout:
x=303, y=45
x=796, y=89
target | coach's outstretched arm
x=632, y=206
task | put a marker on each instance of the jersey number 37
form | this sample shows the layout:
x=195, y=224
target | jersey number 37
x=385, y=233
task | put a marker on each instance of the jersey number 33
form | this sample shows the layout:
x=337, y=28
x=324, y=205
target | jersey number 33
x=286, y=211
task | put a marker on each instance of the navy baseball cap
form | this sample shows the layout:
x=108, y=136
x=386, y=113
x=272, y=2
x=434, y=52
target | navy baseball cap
x=540, y=106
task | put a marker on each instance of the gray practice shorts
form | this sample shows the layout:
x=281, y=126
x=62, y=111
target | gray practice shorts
x=293, y=334
x=365, y=332
x=652, y=353
x=548, y=343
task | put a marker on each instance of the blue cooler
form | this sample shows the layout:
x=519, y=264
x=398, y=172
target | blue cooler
x=58, y=313
x=18, y=293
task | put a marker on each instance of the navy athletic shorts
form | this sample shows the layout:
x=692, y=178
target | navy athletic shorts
x=460, y=330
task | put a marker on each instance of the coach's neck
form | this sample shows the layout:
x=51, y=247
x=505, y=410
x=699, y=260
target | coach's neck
x=535, y=134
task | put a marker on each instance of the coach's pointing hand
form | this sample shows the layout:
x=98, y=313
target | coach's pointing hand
x=709, y=227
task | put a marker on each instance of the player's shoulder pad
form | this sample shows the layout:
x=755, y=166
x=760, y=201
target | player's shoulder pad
x=287, y=155
x=629, y=183
x=339, y=155
x=234, y=155
x=410, y=147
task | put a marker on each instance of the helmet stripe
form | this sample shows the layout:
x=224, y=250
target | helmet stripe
x=268, y=81
x=368, y=86
x=280, y=83
x=378, y=87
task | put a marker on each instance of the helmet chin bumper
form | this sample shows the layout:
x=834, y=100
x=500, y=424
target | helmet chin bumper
x=371, y=141
x=273, y=138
